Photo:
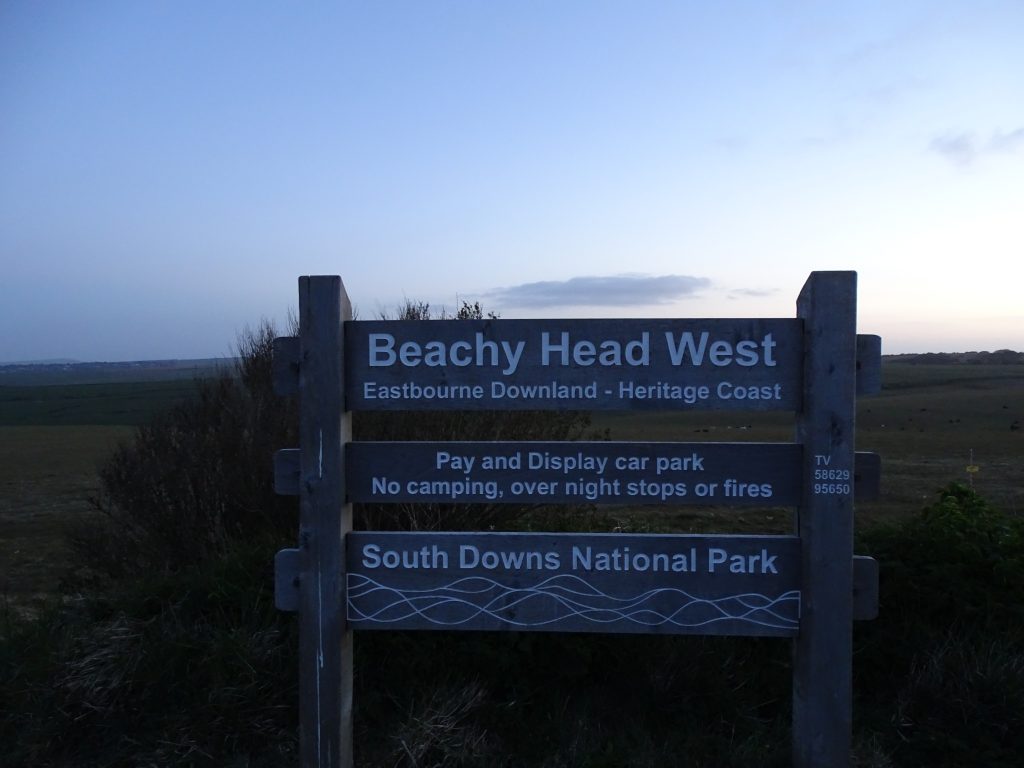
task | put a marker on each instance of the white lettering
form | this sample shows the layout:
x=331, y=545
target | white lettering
x=382, y=344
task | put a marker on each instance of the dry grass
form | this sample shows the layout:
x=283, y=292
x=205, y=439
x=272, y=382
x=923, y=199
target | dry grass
x=439, y=729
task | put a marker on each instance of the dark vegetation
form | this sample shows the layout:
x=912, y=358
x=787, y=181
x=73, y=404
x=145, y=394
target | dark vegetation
x=166, y=648
x=941, y=673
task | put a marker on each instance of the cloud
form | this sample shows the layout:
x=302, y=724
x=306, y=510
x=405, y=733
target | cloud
x=616, y=290
x=752, y=293
x=1007, y=142
x=961, y=149
x=966, y=148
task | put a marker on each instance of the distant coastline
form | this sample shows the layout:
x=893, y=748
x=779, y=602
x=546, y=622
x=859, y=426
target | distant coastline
x=51, y=372
x=999, y=357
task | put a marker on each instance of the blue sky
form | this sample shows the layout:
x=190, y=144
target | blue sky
x=170, y=168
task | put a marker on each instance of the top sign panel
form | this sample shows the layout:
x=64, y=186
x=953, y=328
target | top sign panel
x=739, y=364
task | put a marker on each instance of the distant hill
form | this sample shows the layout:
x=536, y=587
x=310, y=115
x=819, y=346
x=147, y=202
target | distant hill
x=999, y=357
x=49, y=373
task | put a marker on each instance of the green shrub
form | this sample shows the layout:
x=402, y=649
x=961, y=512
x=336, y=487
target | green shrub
x=939, y=674
x=958, y=562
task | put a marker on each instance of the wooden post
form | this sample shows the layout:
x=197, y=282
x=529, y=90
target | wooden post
x=822, y=664
x=325, y=642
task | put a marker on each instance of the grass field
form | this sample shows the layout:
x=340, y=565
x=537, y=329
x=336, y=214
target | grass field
x=111, y=404
x=47, y=474
x=53, y=438
x=932, y=422
x=927, y=424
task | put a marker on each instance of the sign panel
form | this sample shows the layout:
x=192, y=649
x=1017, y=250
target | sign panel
x=614, y=583
x=651, y=364
x=722, y=474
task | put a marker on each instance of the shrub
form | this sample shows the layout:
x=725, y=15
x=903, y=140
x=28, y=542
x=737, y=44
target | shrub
x=940, y=673
x=959, y=561
x=196, y=480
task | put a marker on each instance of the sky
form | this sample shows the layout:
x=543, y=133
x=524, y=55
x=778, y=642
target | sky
x=169, y=169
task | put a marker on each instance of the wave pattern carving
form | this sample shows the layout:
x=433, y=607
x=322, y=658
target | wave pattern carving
x=560, y=598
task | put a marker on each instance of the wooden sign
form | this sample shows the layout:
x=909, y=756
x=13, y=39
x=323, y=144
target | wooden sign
x=551, y=582
x=808, y=587
x=743, y=364
x=726, y=474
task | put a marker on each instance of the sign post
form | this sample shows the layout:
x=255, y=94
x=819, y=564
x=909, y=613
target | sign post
x=823, y=653
x=808, y=587
x=325, y=517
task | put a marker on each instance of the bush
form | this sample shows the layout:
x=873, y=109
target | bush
x=197, y=480
x=958, y=562
x=940, y=673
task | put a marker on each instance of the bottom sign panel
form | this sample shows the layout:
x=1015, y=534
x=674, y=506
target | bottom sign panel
x=554, y=582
